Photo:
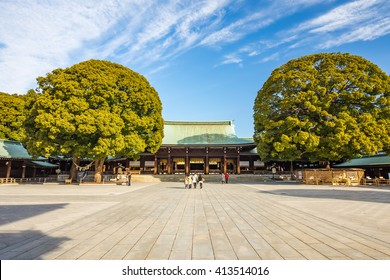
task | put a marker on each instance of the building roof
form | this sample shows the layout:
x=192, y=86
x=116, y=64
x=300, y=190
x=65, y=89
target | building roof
x=377, y=160
x=201, y=133
x=43, y=164
x=10, y=149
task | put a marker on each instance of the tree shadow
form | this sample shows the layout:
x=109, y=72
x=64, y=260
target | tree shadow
x=12, y=213
x=27, y=245
x=366, y=196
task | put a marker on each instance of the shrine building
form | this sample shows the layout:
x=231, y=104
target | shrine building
x=208, y=147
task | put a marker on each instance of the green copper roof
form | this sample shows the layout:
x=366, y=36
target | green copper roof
x=13, y=149
x=366, y=161
x=43, y=164
x=201, y=133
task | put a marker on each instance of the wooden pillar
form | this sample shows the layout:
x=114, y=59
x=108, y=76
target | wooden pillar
x=238, y=161
x=187, y=163
x=207, y=162
x=8, y=169
x=155, y=165
x=224, y=160
x=142, y=163
x=169, y=167
x=251, y=165
x=24, y=170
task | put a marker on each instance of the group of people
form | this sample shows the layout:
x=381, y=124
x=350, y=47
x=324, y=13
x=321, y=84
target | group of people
x=193, y=180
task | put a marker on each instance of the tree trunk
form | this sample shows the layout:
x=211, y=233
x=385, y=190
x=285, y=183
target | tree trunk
x=73, y=169
x=98, y=170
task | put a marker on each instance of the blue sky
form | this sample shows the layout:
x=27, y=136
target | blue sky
x=206, y=59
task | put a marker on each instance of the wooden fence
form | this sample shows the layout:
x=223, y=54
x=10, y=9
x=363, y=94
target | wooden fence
x=351, y=176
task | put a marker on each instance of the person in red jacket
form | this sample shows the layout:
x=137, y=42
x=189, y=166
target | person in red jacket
x=227, y=177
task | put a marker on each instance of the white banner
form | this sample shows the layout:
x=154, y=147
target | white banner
x=103, y=270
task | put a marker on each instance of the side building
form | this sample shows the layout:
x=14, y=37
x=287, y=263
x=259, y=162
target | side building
x=207, y=147
x=16, y=162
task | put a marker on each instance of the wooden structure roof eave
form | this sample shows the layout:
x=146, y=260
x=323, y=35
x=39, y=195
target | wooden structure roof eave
x=208, y=145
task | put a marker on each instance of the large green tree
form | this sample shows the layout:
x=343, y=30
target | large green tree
x=12, y=116
x=94, y=109
x=327, y=106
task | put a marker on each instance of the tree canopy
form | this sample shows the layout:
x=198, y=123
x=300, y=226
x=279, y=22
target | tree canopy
x=94, y=109
x=11, y=116
x=327, y=106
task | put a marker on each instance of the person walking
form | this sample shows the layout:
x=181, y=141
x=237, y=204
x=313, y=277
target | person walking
x=129, y=178
x=223, y=178
x=227, y=177
x=186, y=181
x=189, y=181
x=200, y=179
x=195, y=180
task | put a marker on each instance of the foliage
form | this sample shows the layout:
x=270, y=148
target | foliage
x=94, y=109
x=11, y=116
x=323, y=107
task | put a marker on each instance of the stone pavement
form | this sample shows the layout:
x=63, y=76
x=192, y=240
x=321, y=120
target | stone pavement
x=165, y=221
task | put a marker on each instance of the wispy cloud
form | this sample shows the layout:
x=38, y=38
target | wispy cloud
x=270, y=57
x=167, y=30
x=360, y=20
x=39, y=36
x=266, y=14
x=231, y=59
x=342, y=17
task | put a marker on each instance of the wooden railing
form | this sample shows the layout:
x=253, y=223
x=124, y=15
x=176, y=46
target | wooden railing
x=7, y=180
x=37, y=180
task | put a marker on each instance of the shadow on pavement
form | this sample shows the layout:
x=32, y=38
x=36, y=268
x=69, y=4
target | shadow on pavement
x=12, y=213
x=27, y=245
x=367, y=196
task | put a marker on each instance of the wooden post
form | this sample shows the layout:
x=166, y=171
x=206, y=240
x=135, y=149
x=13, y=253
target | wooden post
x=24, y=170
x=251, y=165
x=207, y=162
x=169, y=171
x=155, y=165
x=224, y=161
x=141, y=164
x=238, y=161
x=8, y=168
x=187, y=169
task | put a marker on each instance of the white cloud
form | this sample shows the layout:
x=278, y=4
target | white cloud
x=267, y=13
x=163, y=31
x=344, y=16
x=39, y=35
x=231, y=59
x=354, y=21
x=360, y=20
x=367, y=32
x=270, y=57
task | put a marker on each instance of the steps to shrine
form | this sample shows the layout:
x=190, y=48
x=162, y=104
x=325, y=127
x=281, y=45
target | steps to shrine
x=243, y=178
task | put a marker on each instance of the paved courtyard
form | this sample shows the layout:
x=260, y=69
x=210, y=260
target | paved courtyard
x=165, y=221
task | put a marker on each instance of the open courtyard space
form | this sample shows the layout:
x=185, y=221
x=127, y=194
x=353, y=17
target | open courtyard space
x=164, y=221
